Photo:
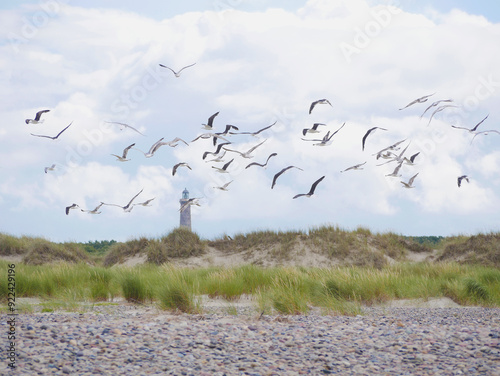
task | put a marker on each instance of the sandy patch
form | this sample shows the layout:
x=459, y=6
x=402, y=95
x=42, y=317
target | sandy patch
x=421, y=303
x=16, y=259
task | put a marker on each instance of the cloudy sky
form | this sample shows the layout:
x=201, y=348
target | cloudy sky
x=258, y=63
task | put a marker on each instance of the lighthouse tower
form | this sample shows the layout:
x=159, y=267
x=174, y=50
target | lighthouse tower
x=185, y=219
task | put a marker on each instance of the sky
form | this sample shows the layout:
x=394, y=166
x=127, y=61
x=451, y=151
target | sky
x=256, y=63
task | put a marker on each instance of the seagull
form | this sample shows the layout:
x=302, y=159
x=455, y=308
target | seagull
x=326, y=140
x=418, y=100
x=94, y=211
x=226, y=131
x=172, y=143
x=145, y=203
x=355, y=167
x=68, y=208
x=51, y=168
x=178, y=73
x=282, y=171
x=55, y=137
x=36, y=120
x=209, y=125
x=152, y=149
x=127, y=208
x=189, y=202
x=224, y=168
x=435, y=104
x=262, y=165
x=123, y=157
x=411, y=161
x=485, y=133
x=311, y=191
x=209, y=135
x=319, y=101
x=396, y=173
x=396, y=158
x=472, y=130
x=182, y=164
x=123, y=125
x=224, y=187
x=314, y=129
x=410, y=182
x=247, y=153
x=439, y=109
x=216, y=150
x=367, y=133
x=460, y=178
x=380, y=154
x=257, y=132
x=220, y=157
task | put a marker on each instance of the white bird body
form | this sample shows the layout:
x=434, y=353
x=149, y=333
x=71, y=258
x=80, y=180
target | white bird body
x=51, y=168
x=311, y=191
x=127, y=208
x=37, y=119
x=410, y=182
x=93, y=211
x=248, y=153
x=355, y=167
x=319, y=101
x=123, y=157
x=223, y=170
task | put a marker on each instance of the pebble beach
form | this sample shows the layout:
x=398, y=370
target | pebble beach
x=126, y=339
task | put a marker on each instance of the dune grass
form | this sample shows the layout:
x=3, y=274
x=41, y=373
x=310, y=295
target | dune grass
x=286, y=290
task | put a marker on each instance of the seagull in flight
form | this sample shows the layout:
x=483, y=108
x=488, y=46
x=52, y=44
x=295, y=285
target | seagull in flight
x=123, y=157
x=355, y=167
x=189, y=202
x=216, y=150
x=145, y=203
x=152, y=149
x=262, y=165
x=326, y=140
x=51, y=168
x=53, y=138
x=178, y=73
x=94, y=211
x=460, y=178
x=257, y=132
x=220, y=157
x=396, y=173
x=127, y=208
x=439, y=109
x=181, y=164
x=210, y=135
x=472, y=130
x=224, y=187
x=319, y=101
x=314, y=129
x=172, y=143
x=123, y=126
x=311, y=191
x=73, y=206
x=411, y=161
x=418, y=100
x=435, y=104
x=485, y=133
x=37, y=119
x=380, y=154
x=366, y=135
x=410, y=182
x=281, y=172
x=209, y=125
x=224, y=168
x=247, y=153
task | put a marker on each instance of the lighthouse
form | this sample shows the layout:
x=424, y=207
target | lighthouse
x=185, y=220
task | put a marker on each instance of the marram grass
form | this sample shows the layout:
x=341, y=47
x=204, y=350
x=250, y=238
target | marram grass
x=285, y=290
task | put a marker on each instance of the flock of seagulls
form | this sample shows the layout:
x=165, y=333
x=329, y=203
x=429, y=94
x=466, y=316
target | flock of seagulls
x=223, y=146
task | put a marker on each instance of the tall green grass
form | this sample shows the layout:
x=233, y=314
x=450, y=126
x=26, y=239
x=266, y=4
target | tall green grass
x=287, y=290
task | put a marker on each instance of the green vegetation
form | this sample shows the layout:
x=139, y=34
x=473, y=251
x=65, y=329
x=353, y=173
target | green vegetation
x=286, y=290
x=63, y=275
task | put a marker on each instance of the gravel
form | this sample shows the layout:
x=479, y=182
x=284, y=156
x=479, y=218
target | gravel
x=132, y=340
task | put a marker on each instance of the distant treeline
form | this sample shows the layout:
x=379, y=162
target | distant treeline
x=98, y=247
x=426, y=239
